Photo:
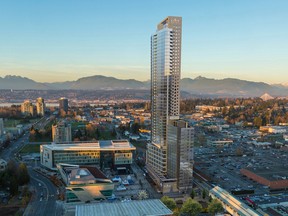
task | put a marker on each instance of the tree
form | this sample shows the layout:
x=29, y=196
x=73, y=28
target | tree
x=114, y=133
x=11, y=168
x=13, y=185
x=90, y=130
x=169, y=202
x=23, y=175
x=191, y=207
x=192, y=194
x=142, y=195
x=204, y=194
x=135, y=128
x=257, y=121
x=215, y=207
x=176, y=212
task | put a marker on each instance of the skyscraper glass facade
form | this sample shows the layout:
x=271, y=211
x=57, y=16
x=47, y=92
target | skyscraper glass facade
x=165, y=94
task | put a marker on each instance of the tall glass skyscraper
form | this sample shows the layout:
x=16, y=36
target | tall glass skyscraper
x=169, y=158
x=165, y=93
x=63, y=105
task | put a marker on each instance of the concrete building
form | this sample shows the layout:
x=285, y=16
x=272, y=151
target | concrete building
x=273, y=177
x=1, y=127
x=27, y=108
x=180, y=154
x=85, y=183
x=220, y=143
x=63, y=105
x=111, y=154
x=165, y=105
x=273, y=129
x=231, y=204
x=61, y=133
x=40, y=106
x=133, y=208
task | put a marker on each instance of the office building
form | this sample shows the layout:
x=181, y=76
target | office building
x=180, y=154
x=106, y=154
x=27, y=108
x=165, y=102
x=85, y=183
x=63, y=105
x=40, y=106
x=1, y=127
x=61, y=133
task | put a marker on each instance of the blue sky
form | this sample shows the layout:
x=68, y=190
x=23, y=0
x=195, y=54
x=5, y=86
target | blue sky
x=68, y=39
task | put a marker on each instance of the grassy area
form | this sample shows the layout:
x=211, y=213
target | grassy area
x=30, y=148
x=11, y=123
x=106, y=135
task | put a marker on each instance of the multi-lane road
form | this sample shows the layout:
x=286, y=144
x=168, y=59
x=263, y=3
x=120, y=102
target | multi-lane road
x=44, y=199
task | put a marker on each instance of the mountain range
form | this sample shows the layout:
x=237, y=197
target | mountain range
x=198, y=86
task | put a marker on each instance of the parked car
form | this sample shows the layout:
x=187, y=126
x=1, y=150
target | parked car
x=121, y=188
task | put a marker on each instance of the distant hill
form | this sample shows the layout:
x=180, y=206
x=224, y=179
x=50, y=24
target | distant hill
x=230, y=87
x=102, y=82
x=19, y=83
x=199, y=86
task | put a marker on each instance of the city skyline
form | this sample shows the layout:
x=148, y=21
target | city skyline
x=60, y=41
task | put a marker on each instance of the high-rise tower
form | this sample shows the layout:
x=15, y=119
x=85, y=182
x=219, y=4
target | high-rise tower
x=165, y=93
x=27, y=108
x=61, y=133
x=170, y=154
x=40, y=106
x=63, y=105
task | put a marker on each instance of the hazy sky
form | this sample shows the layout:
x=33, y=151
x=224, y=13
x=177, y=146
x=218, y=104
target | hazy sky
x=57, y=40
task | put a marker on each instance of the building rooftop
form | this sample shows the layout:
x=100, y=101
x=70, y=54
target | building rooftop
x=271, y=173
x=240, y=207
x=81, y=174
x=131, y=208
x=97, y=145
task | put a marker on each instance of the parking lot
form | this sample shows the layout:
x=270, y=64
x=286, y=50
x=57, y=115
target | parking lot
x=223, y=168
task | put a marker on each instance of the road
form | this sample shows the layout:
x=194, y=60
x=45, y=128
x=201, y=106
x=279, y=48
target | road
x=44, y=197
x=44, y=193
x=41, y=123
x=14, y=146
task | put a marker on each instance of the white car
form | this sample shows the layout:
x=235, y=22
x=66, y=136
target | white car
x=121, y=188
